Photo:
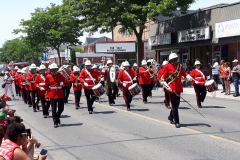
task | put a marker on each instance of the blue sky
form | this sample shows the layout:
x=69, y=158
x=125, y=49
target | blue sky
x=12, y=11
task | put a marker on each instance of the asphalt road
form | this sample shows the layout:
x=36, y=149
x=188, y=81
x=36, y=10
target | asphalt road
x=144, y=133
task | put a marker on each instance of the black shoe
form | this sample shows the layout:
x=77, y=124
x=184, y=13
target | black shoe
x=90, y=112
x=45, y=116
x=177, y=125
x=34, y=110
x=223, y=91
x=128, y=109
x=29, y=105
x=171, y=120
x=145, y=102
x=235, y=95
x=55, y=125
x=110, y=104
x=77, y=107
x=38, y=108
x=199, y=106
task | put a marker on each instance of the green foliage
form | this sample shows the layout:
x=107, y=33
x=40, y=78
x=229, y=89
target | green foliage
x=130, y=14
x=51, y=27
x=77, y=49
x=73, y=56
x=18, y=50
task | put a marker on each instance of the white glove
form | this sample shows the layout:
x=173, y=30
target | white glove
x=134, y=78
x=102, y=79
x=165, y=85
x=42, y=89
x=208, y=77
x=94, y=79
x=124, y=84
x=189, y=78
x=196, y=82
x=61, y=83
x=85, y=84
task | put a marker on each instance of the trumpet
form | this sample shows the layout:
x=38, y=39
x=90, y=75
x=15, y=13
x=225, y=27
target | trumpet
x=64, y=72
x=152, y=68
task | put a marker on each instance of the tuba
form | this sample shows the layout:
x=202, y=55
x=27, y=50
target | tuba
x=112, y=74
x=64, y=72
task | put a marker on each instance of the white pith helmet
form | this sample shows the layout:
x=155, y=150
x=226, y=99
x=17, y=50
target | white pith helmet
x=76, y=69
x=164, y=63
x=109, y=61
x=16, y=68
x=88, y=63
x=197, y=63
x=53, y=66
x=172, y=56
x=125, y=64
x=94, y=66
x=144, y=62
x=135, y=65
x=33, y=66
x=42, y=67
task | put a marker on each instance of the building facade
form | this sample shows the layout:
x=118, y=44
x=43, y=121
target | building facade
x=204, y=35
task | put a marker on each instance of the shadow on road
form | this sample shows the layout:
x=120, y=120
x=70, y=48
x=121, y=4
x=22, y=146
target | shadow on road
x=74, y=124
x=65, y=116
x=213, y=107
x=183, y=108
x=195, y=124
x=140, y=110
x=105, y=112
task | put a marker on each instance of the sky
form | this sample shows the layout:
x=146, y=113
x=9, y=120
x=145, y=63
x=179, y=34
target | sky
x=12, y=11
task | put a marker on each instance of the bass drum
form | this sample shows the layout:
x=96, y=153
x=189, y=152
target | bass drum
x=98, y=90
x=210, y=85
x=112, y=74
x=134, y=89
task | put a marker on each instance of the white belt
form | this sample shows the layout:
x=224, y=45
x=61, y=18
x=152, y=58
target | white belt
x=88, y=79
x=127, y=81
x=23, y=83
x=77, y=84
x=41, y=84
x=32, y=81
x=54, y=87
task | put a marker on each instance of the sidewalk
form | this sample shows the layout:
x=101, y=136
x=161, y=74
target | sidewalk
x=190, y=90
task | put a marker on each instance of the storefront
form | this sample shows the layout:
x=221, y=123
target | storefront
x=122, y=51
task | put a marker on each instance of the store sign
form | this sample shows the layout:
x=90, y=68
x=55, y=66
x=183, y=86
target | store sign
x=160, y=39
x=195, y=34
x=227, y=28
x=116, y=47
x=165, y=53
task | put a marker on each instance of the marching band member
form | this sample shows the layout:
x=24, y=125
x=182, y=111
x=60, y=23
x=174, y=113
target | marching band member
x=136, y=72
x=40, y=85
x=171, y=78
x=54, y=82
x=112, y=89
x=89, y=78
x=68, y=84
x=8, y=79
x=166, y=93
x=27, y=86
x=145, y=80
x=102, y=76
x=22, y=83
x=18, y=81
x=77, y=86
x=15, y=77
x=199, y=78
x=125, y=78
x=32, y=86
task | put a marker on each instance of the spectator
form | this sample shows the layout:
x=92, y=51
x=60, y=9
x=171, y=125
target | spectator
x=189, y=67
x=221, y=70
x=16, y=137
x=215, y=73
x=235, y=76
x=227, y=79
x=8, y=79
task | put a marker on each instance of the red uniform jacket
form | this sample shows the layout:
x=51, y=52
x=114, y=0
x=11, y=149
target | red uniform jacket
x=77, y=85
x=84, y=77
x=67, y=81
x=124, y=78
x=159, y=76
x=40, y=82
x=198, y=76
x=144, y=76
x=53, y=88
x=31, y=79
x=22, y=81
x=15, y=77
x=176, y=85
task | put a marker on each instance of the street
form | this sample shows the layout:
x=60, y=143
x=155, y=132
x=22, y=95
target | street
x=112, y=132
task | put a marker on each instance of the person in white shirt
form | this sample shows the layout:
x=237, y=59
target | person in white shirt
x=8, y=79
x=215, y=73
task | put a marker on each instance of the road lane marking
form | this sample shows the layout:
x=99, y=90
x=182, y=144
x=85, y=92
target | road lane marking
x=166, y=123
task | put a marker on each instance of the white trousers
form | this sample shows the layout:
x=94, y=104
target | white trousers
x=8, y=86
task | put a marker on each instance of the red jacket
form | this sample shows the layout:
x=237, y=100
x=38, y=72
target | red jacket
x=67, y=81
x=124, y=78
x=24, y=82
x=15, y=77
x=84, y=77
x=40, y=82
x=53, y=88
x=77, y=85
x=21, y=81
x=144, y=76
x=198, y=76
x=31, y=79
x=176, y=85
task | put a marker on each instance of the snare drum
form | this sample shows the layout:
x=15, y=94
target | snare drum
x=210, y=85
x=134, y=89
x=98, y=90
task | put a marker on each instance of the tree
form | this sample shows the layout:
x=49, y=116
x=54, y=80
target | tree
x=73, y=53
x=18, y=50
x=130, y=14
x=52, y=27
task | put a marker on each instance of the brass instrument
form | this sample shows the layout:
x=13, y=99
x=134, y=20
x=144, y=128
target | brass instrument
x=64, y=72
x=26, y=76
